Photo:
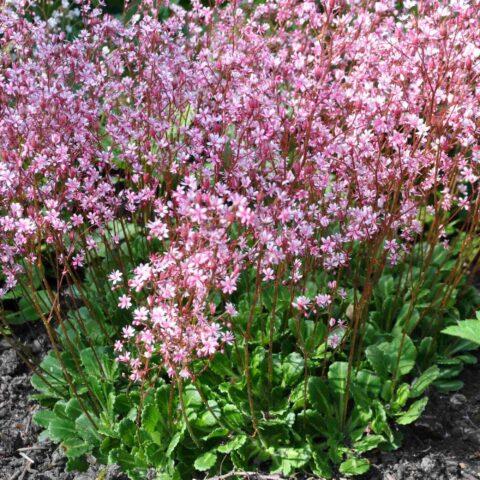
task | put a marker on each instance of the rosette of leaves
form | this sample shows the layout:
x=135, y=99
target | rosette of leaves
x=302, y=421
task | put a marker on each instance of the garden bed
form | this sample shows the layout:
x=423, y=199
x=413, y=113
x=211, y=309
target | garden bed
x=443, y=444
x=22, y=455
x=251, y=230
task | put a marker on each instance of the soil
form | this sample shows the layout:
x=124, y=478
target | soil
x=444, y=444
x=22, y=456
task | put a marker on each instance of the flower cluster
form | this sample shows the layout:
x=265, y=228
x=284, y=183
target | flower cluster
x=177, y=321
x=275, y=137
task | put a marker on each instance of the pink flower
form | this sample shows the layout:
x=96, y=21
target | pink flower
x=323, y=300
x=158, y=229
x=264, y=157
x=124, y=302
x=140, y=314
x=228, y=285
x=115, y=277
x=301, y=303
x=78, y=260
x=333, y=341
x=128, y=332
x=268, y=274
x=91, y=243
x=231, y=310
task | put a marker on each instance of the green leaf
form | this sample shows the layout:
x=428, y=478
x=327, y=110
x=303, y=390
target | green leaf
x=76, y=447
x=150, y=418
x=424, y=350
x=297, y=396
x=97, y=362
x=44, y=418
x=155, y=454
x=466, y=329
x=79, y=464
x=292, y=368
x=367, y=443
x=415, y=410
x=389, y=357
x=127, y=430
x=123, y=458
x=52, y=380
x=407, y=356
x=221, y=365
x=406, y=320
x=73, y=408
x=308, y=333
x=337, y=375
x=27, y=311
x=290, y=459
x=219, y=432
x=368, y=382
x=379, y=358
x=233, y=444
x=321, y=465
x=233, y=416
x=448, y=385
x=421, y=383
x=354, y=466
x=401, y=396
x=205, y=462
x=468, y=358
x=319, y=394
x=174, y=443
x=208, y=418
x=86, y=430
x=192, y=398
x=379, y=424
x=60, y=429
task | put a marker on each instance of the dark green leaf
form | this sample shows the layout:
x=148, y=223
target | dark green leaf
x=421, y=383
x=127, y=430
x=292, y=368
x=367, y=443
x=319, y=394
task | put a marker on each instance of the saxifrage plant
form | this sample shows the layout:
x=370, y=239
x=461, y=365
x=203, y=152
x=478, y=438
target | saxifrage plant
x=255, y=218
x=301, y=414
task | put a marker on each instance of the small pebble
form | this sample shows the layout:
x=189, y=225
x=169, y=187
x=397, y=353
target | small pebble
x=427, y=464
x=458, y=400
x=58, y=457
x=473, y=435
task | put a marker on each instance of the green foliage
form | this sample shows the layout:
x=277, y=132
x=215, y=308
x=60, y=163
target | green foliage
x=159, y=435
x=315, y=409
x=21, y=306
x=466, y=329
x=305, y=406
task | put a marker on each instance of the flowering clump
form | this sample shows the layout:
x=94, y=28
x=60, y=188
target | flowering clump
x=244, y=226
x=177, y=321
x=278, y=138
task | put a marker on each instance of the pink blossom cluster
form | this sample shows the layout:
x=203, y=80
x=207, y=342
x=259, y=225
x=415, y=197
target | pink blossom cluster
x=178, y=320
x=238, y=136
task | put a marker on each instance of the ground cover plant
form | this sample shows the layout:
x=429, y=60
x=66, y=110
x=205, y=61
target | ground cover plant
x=250, y=229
